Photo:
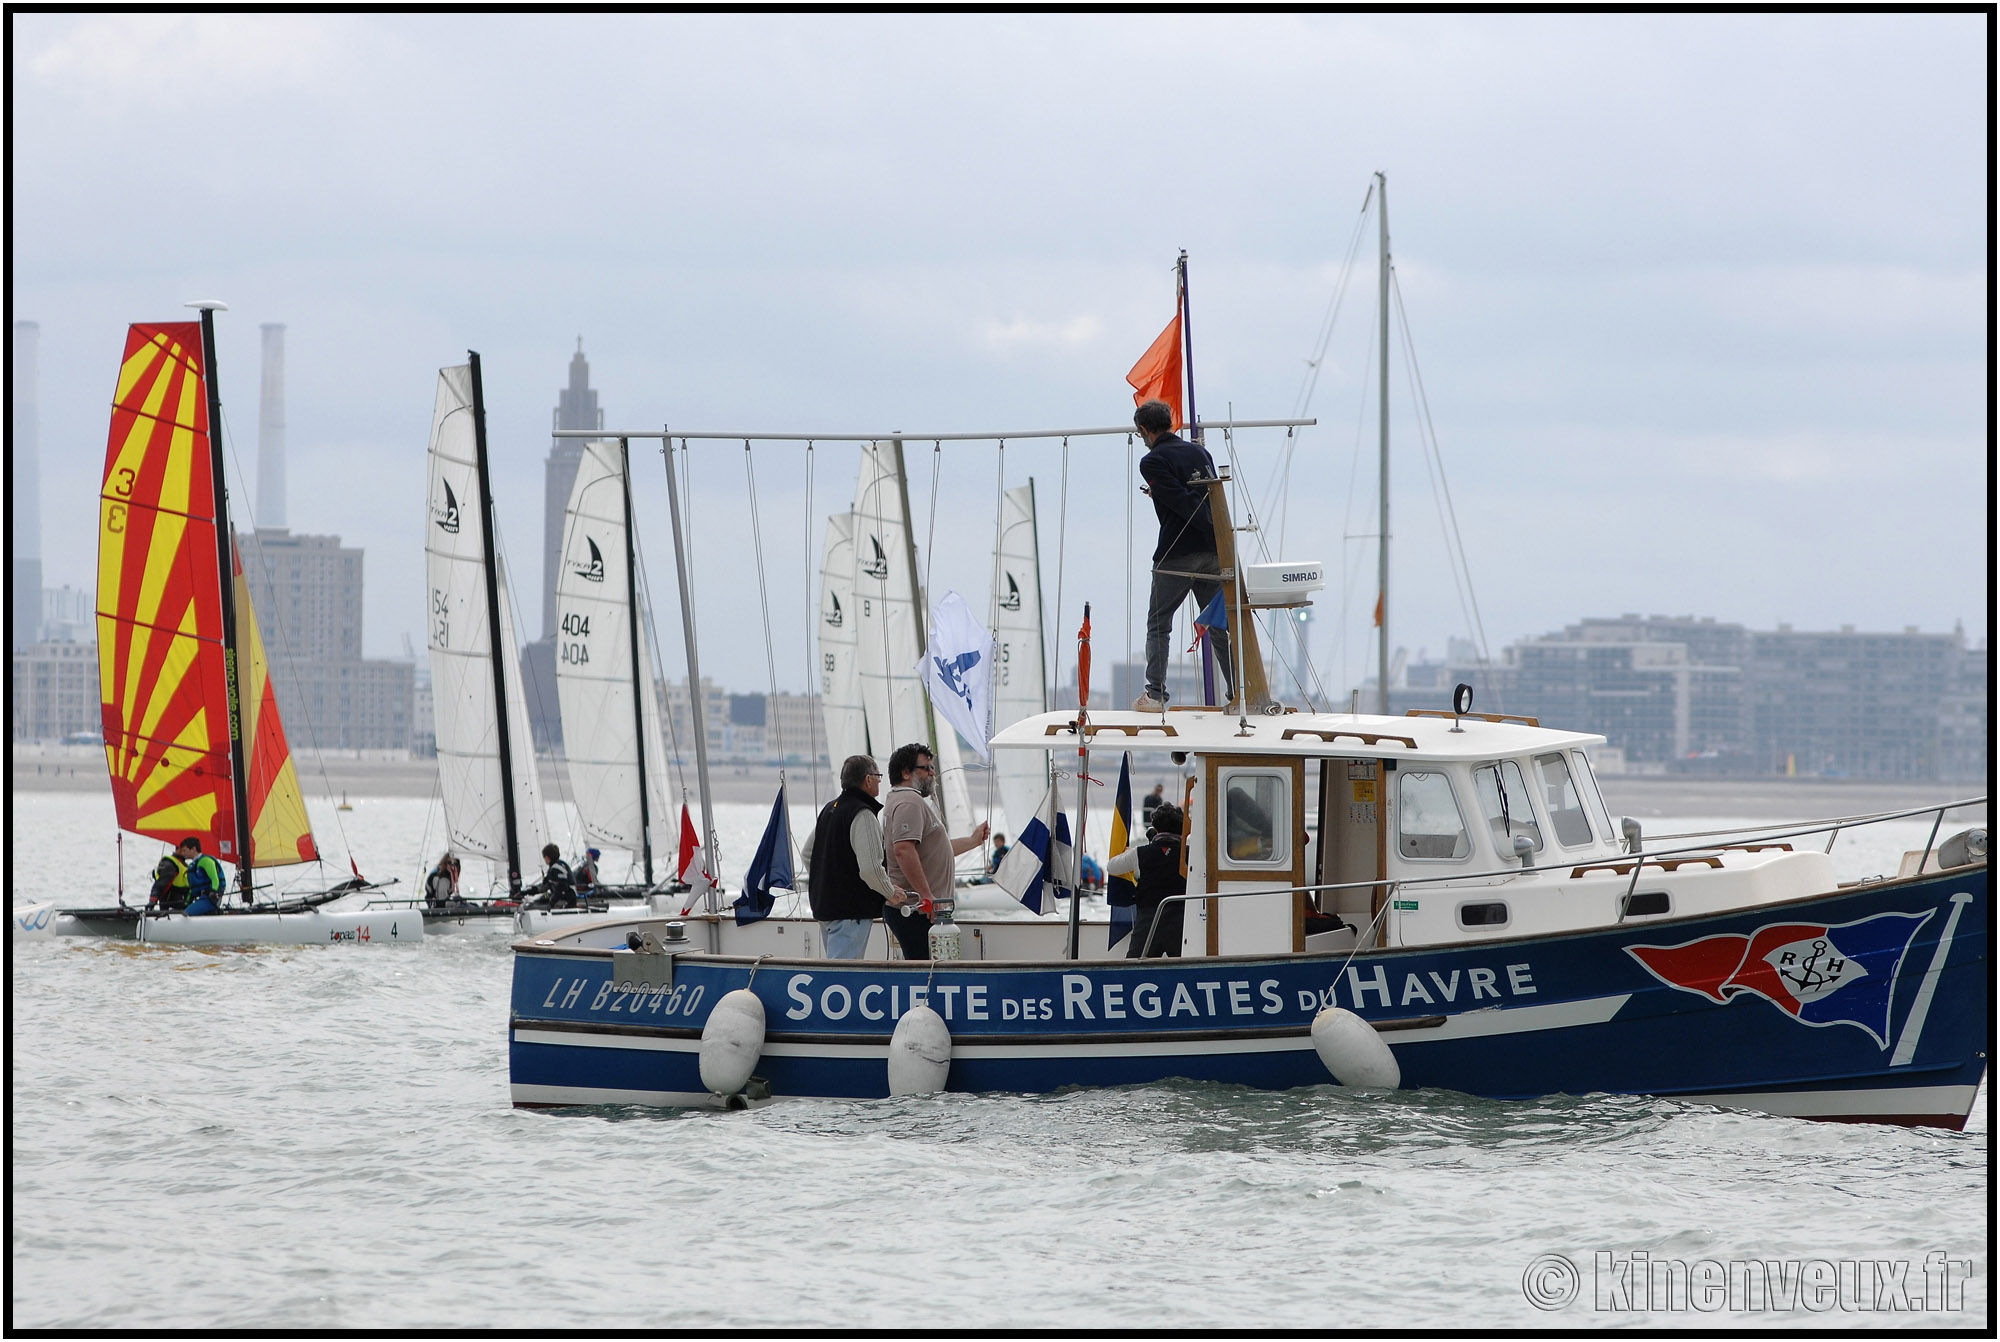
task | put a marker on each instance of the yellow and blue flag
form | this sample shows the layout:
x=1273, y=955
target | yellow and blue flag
x=1122, y=892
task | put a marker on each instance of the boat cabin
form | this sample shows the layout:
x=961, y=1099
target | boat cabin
x=1425, y=829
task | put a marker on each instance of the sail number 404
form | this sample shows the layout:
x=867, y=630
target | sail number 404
x=573, y=652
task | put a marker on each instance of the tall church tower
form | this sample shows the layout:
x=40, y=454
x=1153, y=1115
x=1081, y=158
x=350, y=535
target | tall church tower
x=576, y=408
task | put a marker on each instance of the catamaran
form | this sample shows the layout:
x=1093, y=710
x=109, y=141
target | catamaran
x=486, y=765
x=192, y=735
x=604, y=685
x=1488, y=928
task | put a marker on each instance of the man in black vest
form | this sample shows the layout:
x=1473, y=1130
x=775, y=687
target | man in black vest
x=850, y=886
x=1184, y=560
x=1157, y=864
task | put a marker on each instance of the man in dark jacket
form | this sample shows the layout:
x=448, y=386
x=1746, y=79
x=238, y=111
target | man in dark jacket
x=1184, y=560
x=1156, y=864
x=849, y=884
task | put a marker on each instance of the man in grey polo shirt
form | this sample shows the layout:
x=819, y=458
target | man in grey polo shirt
x=920, y=851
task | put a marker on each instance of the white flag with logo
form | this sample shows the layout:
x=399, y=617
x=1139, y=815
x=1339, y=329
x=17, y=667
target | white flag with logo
x=958, y=671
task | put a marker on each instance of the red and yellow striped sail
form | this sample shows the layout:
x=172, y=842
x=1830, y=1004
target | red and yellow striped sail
x=161, y=681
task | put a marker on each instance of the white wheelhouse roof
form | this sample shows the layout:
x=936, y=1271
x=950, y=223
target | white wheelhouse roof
x=1349, y=735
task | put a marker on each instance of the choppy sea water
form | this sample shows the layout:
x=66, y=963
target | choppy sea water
x=321, y=1137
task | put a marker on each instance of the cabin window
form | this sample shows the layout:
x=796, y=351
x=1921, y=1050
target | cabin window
x=1503, y=797
x=1488, y=913
x=1586, y=782
x=1559, y=795
x=1256, y=817
x=1648, y=902
x=1429, y=826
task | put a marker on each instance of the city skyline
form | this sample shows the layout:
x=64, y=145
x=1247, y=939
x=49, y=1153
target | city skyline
x=1672, y=363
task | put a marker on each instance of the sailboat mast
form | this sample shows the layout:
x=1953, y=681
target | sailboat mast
x=639, y=688
x=1187, y=341
x=1382, y=562
x=499, y=654
x=694, y=669
x=225, y=542
x=916, y=606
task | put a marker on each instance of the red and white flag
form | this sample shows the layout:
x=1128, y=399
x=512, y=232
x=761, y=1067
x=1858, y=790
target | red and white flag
x=693, y=867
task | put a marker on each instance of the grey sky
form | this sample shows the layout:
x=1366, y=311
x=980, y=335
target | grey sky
x=1699, y=301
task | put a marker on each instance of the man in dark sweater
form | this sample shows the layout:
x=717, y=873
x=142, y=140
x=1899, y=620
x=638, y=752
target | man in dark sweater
x=849, y=885
x=1184, y=560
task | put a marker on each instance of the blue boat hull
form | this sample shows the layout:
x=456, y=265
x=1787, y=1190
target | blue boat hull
x=1868, y=1004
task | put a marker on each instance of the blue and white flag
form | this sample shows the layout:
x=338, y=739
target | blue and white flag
x=1035, y=866
x=770, y=870
x=958, y=671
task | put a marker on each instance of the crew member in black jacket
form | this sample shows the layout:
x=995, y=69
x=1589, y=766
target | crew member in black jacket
x=849, y=884
x=1184, y=560
x=1157, y=864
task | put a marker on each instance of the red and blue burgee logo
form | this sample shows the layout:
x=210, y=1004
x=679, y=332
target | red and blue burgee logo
x=1819, y=975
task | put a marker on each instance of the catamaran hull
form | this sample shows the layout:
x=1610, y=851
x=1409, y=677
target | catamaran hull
x=543, y=922
x=310, y=927
x=1890, y=1025
x=50, y=920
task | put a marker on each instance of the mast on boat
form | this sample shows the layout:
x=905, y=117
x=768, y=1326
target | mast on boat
x=639, y=690
x=919, y=607
x=487, y=524
x=225, y=541
x=1382, y=561
x=693, y=667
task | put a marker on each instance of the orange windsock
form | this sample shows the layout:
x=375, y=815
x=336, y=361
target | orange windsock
x=1157, y=375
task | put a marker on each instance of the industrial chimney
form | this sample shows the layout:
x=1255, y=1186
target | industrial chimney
x=27, y=483
x=271, y=431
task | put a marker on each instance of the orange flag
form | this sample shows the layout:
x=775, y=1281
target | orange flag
x=1378, y=610
x=1157, y=375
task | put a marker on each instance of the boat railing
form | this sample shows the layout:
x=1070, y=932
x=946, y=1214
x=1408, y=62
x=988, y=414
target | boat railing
x=1666, y=858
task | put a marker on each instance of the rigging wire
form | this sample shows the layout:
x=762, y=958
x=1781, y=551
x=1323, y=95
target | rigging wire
x=763, y=592
x=710, y=840
x=292, y=659
x=527, y=678
x=993, y=602
x=1469, y=601
x=1062, y=552
x=1349, y=573
x=1315, y=365
x=814, y=702
x=652, y=631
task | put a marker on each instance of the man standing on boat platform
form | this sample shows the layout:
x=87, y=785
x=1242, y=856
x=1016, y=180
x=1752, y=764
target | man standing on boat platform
x=850, y=887
x=1184, y=560
x=921, y=850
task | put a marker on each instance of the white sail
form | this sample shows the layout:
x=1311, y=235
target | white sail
x=889, y=633
x=839, y=676
x=595, y=658
x=1020, y=680
x=461, y=641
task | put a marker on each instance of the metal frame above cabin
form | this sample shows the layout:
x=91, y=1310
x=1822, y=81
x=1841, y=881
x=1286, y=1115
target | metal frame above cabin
x=894, y=435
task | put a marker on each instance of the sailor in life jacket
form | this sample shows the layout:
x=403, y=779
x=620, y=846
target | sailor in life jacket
x=557, y=885
x=585, y=877
x=169, y=893
x=202, y=877
x=441, y=886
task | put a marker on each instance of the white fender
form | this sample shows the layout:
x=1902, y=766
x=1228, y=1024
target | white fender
x=1353, y=1052
x=919, y=1053
x=732, y=1041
